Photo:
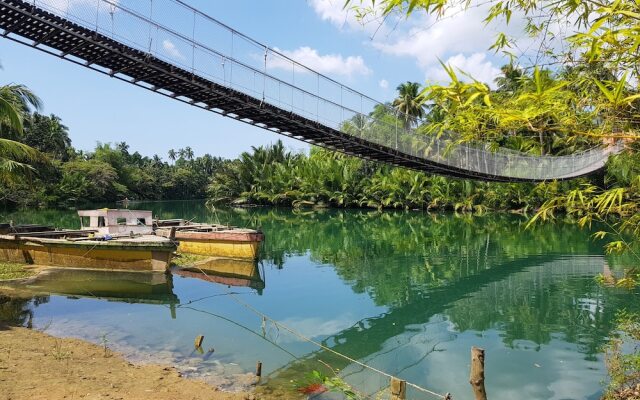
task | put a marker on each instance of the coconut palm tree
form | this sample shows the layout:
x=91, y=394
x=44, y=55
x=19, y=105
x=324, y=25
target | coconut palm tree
x=15, y=157
x=122, y=147
x=156, y=161
x=409, y=104
x=48, y=135
x=511, y=78
x=172, y=154
x=188, y=153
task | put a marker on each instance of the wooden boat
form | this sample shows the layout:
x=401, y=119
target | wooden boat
x=90, y=247
x=212, y=240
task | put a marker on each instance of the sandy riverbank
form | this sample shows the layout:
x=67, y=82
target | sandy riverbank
x=34, y=365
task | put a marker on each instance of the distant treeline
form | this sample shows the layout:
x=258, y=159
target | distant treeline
x=61, y=176
x=66, y=177
x=274, y=176
x=269, y=175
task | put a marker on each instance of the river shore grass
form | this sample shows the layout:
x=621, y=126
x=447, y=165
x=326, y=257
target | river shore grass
x=10, y=271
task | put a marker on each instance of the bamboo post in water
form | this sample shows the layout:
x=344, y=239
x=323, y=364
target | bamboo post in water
x=476, y=378
x=398, y=389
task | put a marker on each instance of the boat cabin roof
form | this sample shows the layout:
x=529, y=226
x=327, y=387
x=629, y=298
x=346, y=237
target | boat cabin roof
x=115, y=213
x=108, y=219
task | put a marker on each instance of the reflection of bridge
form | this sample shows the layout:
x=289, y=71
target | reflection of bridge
x=173, y=49
x=369, y=338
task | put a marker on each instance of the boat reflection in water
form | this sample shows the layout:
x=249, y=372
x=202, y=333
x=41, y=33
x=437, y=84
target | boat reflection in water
x=132, y=287
x=120, y=286
x=225, y=271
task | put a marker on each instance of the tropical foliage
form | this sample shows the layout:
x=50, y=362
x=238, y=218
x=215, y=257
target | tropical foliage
x=273, y=176
x=624, y=365
x=15, y=157
x=61, y=176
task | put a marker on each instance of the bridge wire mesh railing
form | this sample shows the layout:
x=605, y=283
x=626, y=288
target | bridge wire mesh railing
x=176, y=33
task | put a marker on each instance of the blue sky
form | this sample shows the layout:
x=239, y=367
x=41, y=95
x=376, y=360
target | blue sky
x=372, y=58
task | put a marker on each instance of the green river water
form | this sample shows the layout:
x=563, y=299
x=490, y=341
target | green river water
x=407, y=293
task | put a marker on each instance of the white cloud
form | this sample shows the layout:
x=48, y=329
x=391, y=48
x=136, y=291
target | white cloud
x=332, y=11
x=331, y=64
x=171, y=49
x=460, y=37
x=475, y=65
x=384, y=84
x=428, y=39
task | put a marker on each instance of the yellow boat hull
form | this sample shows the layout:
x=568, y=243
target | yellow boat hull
x=99, y=257
x=219, y=248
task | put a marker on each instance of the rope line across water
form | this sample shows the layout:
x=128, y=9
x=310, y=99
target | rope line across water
x=320, y=345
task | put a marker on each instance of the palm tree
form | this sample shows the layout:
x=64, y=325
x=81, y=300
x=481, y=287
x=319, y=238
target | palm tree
x=48, y=135
x=15, y=157
x=122, y=147
x=157, y=161
x=511, y=78
x=15, y=103
x=172, y=155
x=409, y=103
x=188, y=153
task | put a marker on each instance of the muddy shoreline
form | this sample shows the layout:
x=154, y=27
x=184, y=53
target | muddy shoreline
x=35, y=365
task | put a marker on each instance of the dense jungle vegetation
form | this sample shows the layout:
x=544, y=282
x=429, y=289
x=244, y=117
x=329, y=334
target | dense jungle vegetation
x=51, y=173
x=45, y=170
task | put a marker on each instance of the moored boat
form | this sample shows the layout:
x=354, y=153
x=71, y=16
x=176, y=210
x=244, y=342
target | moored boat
x=212, y=240
x=129, y=246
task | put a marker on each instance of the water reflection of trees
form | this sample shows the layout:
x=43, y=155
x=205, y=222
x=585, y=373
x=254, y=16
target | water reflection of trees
x=481, y=272
x=559, y=300
x=397, y=256
x=420, y=265
x=19, y=311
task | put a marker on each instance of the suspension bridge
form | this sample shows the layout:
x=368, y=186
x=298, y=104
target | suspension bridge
x=173, y=49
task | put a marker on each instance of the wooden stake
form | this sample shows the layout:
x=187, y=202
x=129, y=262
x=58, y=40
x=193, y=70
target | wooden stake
x=259, y=369
x=398, y=389
x=198, y=341
x=476, y=378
